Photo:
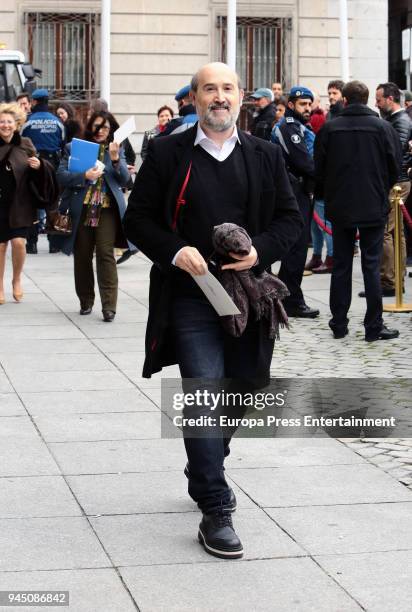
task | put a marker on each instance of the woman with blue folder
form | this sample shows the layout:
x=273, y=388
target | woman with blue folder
x=95, y=201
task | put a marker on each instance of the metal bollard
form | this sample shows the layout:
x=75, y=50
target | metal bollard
x=398, y=306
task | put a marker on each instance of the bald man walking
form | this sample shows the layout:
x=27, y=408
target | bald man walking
x=190, y=182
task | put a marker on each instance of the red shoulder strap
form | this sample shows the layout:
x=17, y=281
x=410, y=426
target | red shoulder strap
x=180, y=198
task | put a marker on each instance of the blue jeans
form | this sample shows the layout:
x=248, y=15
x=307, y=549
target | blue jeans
x=202, y=352
x=318, y=234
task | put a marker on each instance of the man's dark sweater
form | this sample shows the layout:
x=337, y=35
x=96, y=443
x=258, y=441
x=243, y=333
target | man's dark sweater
x=217, y=193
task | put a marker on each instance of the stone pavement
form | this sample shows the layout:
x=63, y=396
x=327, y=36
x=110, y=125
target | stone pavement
x=93, y=501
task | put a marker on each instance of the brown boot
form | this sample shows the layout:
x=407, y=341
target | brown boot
x=325, y=268
x=314, y=262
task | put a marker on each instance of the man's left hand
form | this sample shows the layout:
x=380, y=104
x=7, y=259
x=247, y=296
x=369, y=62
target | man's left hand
x=244, y=262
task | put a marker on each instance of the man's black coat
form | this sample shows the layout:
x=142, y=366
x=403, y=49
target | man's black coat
x=263, y=122
x=357, y=161
x=273, y=221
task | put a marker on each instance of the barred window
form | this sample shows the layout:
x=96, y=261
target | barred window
x=263, y=54
x=63, y=46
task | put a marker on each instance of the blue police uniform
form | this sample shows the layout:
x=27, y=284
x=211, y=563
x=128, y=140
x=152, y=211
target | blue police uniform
x=297, y=142
x=44, y=130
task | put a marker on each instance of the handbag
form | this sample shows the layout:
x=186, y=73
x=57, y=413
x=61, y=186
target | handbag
x=59, y=224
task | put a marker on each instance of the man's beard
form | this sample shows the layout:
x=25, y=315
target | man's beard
x=221, y=124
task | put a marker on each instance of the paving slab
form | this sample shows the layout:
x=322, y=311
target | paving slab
x=119, y=345
x=24, y=319
x=380, y=581
x=253, y=453
x=278, y=585
x=345, y=529
x=62, y=403
x=319, y=485
x=120, y=456
x=36, y=497
x=10, y=405
x=25, y=457
x=41, y=332
x=117, y=329
x=5, y=385
x=48, y=544
x=99, y=426
x=150, y=492
x=53, y=363
x=24, y=381
x=47, y=346
x=148, y=539
x=90, y=590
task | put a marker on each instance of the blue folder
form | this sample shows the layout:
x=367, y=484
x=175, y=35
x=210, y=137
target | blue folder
x=83, y=155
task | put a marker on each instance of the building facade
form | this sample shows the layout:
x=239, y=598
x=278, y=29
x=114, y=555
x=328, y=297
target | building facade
x=156, y=46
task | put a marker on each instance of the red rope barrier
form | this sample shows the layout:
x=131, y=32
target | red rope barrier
x=323, y=225
x=406, y=216
x=325, y=228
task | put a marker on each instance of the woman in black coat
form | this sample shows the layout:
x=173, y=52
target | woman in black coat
x=19, y=166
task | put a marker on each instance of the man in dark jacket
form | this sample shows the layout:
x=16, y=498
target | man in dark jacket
x=357, y=159
x=294, y=134
x=187, y=184
x=265, y=113
x=335, y=88
x=388, y=100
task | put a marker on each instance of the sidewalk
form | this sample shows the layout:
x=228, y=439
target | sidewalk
x=94, y=502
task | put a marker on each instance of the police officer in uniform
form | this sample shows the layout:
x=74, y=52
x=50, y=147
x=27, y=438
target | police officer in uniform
x=46, y=132
x=296, y=138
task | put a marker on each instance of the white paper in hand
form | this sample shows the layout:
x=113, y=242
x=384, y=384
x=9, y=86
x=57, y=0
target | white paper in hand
x=125, y=130
x=216, y=294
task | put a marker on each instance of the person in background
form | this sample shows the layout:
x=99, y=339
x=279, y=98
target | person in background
x=187, y=113
x=19, y=166
x=67, y=115
x=296, y=139
x=408, y=103
x=265, y=113
x=164, y=115
x=317, y=115
x=23, y=100
x=96, y=203
x=277, y=91
x=388, y=101
x=335, y=88
x=47, y=134
x=357, y=161
x=99, y=105
x=280, y=108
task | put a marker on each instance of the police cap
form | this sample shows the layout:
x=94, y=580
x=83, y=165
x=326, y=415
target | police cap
x=40, y=93
x=299, y=92
x=182, y=93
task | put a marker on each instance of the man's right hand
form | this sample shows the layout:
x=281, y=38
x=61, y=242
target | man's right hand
x=93, y=174
x=190, y=260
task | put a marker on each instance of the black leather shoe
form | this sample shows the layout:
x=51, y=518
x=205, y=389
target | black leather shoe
x=232, y=504
x=303, y=312
x=385, y=293
x=126, y=255
x=86, y=311
x=218, y=537
x=340, y=334
x=108, y=316
x=31, y=249
x=384, y=334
